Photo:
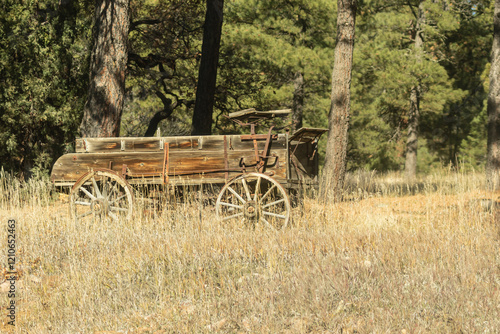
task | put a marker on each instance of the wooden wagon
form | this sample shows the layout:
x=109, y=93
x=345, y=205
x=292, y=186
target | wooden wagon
x=254, y=172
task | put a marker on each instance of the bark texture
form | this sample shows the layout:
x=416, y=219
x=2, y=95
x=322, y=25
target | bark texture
x=207, y=77
x=493, y=148
x=338, y=119
x=298, y=101
x=414, y=110
x=103, y=109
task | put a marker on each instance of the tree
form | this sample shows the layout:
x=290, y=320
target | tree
x=103, y=109
x=338, y=120
x=493, y=146
x=274, y=54
x=43, y=78
x=164, y=50
x=298, y=101
x=415, y=95
x=207, y=78
x=404, y=94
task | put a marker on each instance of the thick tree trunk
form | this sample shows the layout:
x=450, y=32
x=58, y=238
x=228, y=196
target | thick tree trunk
x=207, y=77
x=338, y=119
x=108, y=65
x=493, y=148
x=298, y=101
x=414, y=111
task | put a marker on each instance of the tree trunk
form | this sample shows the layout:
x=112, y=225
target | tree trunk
x=298, y=101
x=168, y=109
x=207, y=77
x=414, y=111
x=338, y=119
x=412, y=140
x=493, y=146
x=103, y=109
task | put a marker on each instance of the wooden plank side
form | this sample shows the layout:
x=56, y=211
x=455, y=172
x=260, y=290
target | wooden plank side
x=146, y=144
x=149, y=165
x=301, y=166
x=154, y=144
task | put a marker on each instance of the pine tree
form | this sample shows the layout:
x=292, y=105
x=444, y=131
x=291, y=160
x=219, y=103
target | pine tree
x=400, y=79
x=336, y=149
x=108, y=64
x=207, y=78
x=43, y=75
x=275, y=54
x=493, y=162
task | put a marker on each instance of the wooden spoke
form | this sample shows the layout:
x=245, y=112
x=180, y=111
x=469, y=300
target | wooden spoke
x=96, y=188
x=273, y=203
x=231, y=205
x=257, y=188
x=106, y=193
x=87, y=193
x=267, y=223
x=114, y=208
x=274, y=214
x=117, y=199
x=236, y=194
x=268, y=192
x=245, y=186
x=83, y=203
x=112, y=190
x=233, y=216
x=241, y=200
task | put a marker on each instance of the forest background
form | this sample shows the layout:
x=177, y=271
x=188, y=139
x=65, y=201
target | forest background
x=274, y=54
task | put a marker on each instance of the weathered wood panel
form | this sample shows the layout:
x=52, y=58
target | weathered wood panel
x=152, y=144
x=303, y=162
x=184, y=164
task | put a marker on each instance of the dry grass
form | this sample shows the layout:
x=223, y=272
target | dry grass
x=383, y=262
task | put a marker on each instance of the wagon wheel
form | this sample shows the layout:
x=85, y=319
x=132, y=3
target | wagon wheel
x=252, y=198
x=101, y=194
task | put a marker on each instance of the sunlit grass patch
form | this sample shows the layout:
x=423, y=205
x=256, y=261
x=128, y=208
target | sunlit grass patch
x=378, y=262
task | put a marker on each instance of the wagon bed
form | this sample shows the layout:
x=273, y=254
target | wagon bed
x=276, y=161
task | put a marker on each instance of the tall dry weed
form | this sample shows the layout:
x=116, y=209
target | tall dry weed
x=388, y=259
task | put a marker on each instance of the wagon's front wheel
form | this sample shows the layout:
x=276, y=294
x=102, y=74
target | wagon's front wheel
x=101, y=194
x=254, y=198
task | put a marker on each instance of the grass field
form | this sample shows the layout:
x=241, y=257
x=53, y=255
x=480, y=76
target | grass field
x=392, y=258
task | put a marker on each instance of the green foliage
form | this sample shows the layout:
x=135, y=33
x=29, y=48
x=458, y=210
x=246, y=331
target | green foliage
x=387, y=65
x=43, y=59
x=45, y=45
x=165, y=44
x=265, y=43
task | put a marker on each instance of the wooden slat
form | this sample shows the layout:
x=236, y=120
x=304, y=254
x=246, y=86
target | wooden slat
x=307, y=134
x=155, y=144
x=301, y=166
x=70, y=167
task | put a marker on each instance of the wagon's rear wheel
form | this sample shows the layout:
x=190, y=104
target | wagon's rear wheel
x=254, y=198
x=101, y=194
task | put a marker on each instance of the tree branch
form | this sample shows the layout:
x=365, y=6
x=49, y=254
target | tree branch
x=137, y=23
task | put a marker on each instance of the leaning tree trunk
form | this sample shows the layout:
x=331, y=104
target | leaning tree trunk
x=493, y=148
x=103, y=109
x=414, y=111
x=338, y=119
x=207, y=77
